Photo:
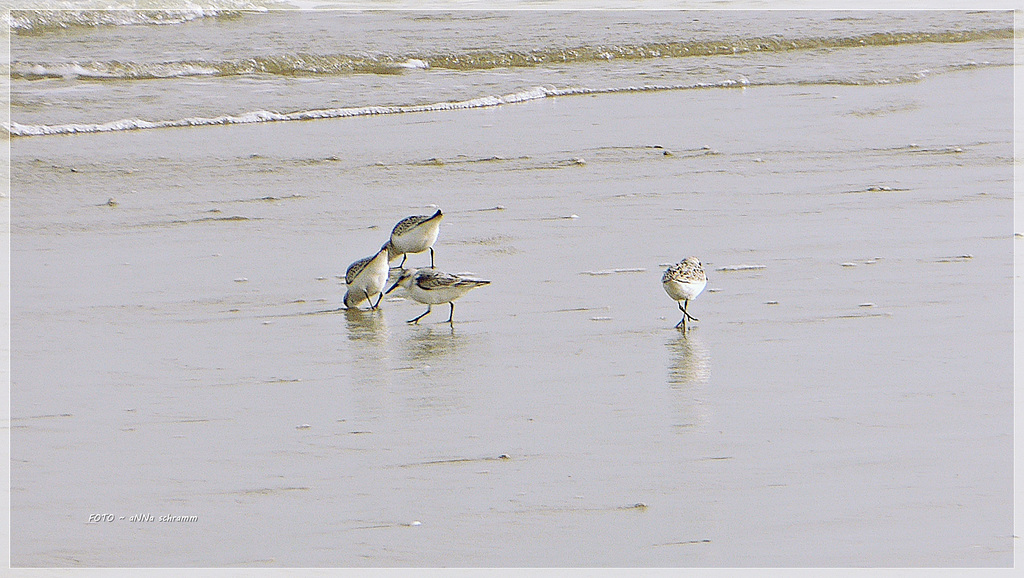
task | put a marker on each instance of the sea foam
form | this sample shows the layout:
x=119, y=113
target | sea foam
x=260, y=116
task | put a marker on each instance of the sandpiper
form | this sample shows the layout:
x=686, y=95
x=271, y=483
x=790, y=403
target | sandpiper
x=414, y=235
x=366, y=278
x=684, y=281
x=432, y=287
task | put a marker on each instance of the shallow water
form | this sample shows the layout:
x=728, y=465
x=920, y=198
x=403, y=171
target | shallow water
x=845, y=399
x=72, y=72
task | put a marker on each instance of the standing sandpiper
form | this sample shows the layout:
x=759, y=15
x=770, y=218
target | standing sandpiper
x=414, y=235
x=684, y=281
x=432, y=287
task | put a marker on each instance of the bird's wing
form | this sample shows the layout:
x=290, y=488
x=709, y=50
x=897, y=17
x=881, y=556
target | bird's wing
x=408, y=223
x=356, y=268
x=436, y=280
x=672, y=273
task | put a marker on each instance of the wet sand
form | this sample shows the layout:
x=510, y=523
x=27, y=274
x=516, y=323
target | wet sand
x=845, y=399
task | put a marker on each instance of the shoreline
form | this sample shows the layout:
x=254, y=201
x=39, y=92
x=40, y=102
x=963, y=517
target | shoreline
x=792, y=427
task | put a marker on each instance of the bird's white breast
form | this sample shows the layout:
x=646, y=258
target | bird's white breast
x=679, y=290
x=374, y=277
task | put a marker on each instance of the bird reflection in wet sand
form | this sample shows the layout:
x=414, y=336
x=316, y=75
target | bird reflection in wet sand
x=689, y=370
x=433, y=342
x=365, y=325
x=434, y=374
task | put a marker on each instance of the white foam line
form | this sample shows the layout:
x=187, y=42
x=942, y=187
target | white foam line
x=259, y=116
x=67, y=13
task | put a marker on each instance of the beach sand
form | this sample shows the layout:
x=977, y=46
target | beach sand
x=844, y=400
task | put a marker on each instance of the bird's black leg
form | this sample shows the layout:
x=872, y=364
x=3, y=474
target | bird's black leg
x=417, y=320
x=452, y=312
x=402, y=264
x=687, y=315
x=682, y=322
x=381, y=296
x=431, y=257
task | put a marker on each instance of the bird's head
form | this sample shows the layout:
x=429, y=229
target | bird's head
x=404, y=279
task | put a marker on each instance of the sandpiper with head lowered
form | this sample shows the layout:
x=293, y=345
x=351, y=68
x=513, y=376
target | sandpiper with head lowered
x=432, y=287
x=684, y=281
x=414, y=234
x=366, y=278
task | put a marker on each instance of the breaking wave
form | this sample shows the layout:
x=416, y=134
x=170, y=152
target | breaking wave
x=335, y=64
x=263, y=116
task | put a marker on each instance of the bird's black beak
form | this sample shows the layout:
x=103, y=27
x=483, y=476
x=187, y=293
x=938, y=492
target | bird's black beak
x=392, y=288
